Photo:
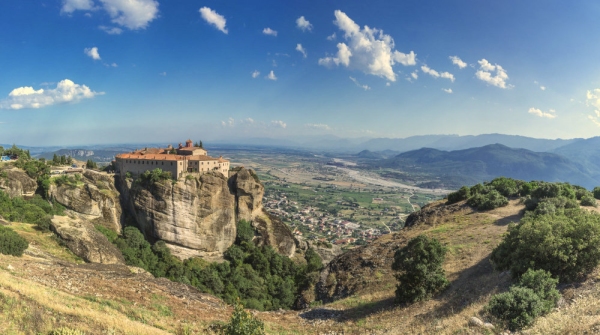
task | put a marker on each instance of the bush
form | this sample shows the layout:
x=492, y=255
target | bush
x=11, y=243
x=566, y=245
x=588, y=200
x=419, y=269
x=492, y=199
x=542, y=283
x=245, y=232
x=506, y=186
x=596, y=192
x=518, y=307
x=462, y=194
x=243, y=323
x=110, y=234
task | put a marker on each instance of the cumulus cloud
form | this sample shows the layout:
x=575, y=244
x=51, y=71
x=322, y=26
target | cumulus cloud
x=278, y=124
x=111, y=30
x=131, y=14
x=92, y=52
x=593, y=100
x=447, y=90
x=538, y=112
x=214, y=18
x=320, y=126
x=414, y=75
x=65, y=91
x=331, y=37
x=271, y=76
x=368, y=50
x=364, y=87
x=485, y=74
x=269, y=31
x=255, y=74
x=405, y=59
x=435, y=74
x=458, y=62
x=301, y=49
x=303, y=24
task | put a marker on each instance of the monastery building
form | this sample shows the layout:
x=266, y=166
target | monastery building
x=181, y=161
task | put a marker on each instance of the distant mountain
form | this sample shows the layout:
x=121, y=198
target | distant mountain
x=484, y=163
x=366, y=154
x=455, y=142
x=85, y=154
x=585, y=152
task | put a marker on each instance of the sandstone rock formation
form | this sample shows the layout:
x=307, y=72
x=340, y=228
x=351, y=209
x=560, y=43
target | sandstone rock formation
x=16, y=183
x=85, y=241
x=93, y=198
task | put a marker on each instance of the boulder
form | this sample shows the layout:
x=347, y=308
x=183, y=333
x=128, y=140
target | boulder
x=85, y=241
x=16, y=183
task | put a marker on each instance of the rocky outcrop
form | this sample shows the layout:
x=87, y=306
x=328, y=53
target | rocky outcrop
x=193, y=216
x=249, y=193
x=16, y=183
x=326, y=250
x=85, y=241
x=92, y=196
x=197, y=216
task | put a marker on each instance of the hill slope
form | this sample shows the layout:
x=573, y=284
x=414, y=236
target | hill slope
x=478, y=164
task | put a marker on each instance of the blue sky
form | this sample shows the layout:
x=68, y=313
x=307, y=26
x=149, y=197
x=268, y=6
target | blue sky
x=114, y=71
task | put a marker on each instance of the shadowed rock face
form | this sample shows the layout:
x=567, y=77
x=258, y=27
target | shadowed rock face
x=85, y=241
x=96, y=199
x=17, y=183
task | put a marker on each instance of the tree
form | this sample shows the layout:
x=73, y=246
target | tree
x=90, y=164
x=244, y=323
x=55, y=160
x=419, y=271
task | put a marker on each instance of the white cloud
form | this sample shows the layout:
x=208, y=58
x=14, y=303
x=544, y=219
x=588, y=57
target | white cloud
x=69, y=6
x=543, y=88
x=317, y=126
x=271, y=76
x=255, y=74
x=92, y=52
x=269, y=31
x=458, y=62
x=368, y=50
x=278, y=124
x=303, y=24
x=405, y=59
x=414, y=75
x=65, y=91
x=229, y=123
x=388, y=84
x=331, y=37
x=447, y=90
x=214, y=18
x=111, y=30
x=538, y=112
x=485, y=74
x=132, y=14
x=301, y=49
x=593, y=99
x=248, y=121
x=364, y=87
x=430, y=71
x=164, y=74
x=447, y=75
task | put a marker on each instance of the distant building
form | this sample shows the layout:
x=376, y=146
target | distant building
x=185, y=160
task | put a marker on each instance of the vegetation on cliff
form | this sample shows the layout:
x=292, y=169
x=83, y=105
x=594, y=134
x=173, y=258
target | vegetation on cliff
x=259, y=277
x=11, y=243
x=36, y=210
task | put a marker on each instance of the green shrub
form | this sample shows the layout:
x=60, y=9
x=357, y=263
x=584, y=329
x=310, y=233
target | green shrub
x=462, y=194
x=245, y=232
x=518, y=307
x=313, y=261
x=11, y=243
x=244, y=323
x=508, y=187
x=588, y=200
x=596, y=192
x=110, y=234
x=542, y=283
x=490, y=200
x=154, y=176
x=419, y=271
x=566, y=245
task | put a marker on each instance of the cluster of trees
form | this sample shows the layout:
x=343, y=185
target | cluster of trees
x=258, y=277
x=15, y=151
x=61, y=160
x=495, y=193
x=11, y=243
x=90, y=164
x=36, y=210
x=149, y=177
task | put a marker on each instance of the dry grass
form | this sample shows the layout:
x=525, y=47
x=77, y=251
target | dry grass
x=44, y=242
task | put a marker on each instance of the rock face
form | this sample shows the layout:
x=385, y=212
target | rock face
x=94, y=198
x=194, y=217
x=85, y=241
x=198, y=216
x=16, y=183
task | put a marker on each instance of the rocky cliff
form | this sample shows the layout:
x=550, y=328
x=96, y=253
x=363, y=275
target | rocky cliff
x=16, y=183
x=197, y=216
